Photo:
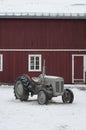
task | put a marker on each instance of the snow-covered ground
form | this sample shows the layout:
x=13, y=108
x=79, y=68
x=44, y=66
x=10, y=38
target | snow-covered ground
x=16, y=115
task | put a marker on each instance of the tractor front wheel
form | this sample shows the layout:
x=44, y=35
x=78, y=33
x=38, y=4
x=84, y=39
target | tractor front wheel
x=42, y=97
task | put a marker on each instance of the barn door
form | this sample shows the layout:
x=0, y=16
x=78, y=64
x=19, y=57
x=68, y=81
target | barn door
x=78, y=69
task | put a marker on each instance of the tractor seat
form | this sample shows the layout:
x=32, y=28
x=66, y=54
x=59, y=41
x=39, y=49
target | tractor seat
x=36, y=80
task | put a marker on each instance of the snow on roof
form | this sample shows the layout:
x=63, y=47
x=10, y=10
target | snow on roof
x=43, y=8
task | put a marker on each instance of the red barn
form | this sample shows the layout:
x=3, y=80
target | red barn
x=26, y=40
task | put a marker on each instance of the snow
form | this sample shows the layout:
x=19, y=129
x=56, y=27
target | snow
x=42, y=6
x=17, y=115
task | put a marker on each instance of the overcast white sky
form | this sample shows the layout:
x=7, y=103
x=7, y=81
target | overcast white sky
x=49, y=6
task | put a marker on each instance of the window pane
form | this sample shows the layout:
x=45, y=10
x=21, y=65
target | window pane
x=34, y=62
x=32, y=67
x=37, y=58
x=32, y=58
x=37, y=67
x=37, y=62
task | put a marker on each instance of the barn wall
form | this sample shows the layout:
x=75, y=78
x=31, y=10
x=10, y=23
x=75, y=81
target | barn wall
x=42, y=33
x=57, y=63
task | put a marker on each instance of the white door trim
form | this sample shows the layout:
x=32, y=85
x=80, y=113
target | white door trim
x=84, y=66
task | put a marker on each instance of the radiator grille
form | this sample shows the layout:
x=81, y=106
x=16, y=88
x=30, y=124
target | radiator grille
x=60, y=86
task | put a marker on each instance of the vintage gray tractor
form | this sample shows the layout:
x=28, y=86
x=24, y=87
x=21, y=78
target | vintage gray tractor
x=44, y=86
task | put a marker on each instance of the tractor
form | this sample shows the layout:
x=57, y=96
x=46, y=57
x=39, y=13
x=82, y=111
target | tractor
x=44, y=86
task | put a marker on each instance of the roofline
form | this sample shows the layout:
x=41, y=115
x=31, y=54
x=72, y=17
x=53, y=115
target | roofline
x=32, y=15
x=44, y=50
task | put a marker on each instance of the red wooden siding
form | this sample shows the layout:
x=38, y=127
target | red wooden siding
x=42, y=33
x=57, y=63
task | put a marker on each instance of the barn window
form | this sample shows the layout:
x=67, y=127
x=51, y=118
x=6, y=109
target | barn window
x=1, y=62
x=34, y=62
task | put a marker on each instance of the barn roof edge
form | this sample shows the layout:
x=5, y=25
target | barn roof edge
x=32, y=15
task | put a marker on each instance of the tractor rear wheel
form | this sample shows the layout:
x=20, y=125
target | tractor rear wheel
x=21, y=90
x=67, y=96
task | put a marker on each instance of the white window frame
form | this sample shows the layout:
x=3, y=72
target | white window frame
x=1, y=62
x=29, y=61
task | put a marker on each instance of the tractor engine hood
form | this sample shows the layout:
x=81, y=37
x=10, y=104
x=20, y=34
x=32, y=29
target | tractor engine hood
x=53, y=77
